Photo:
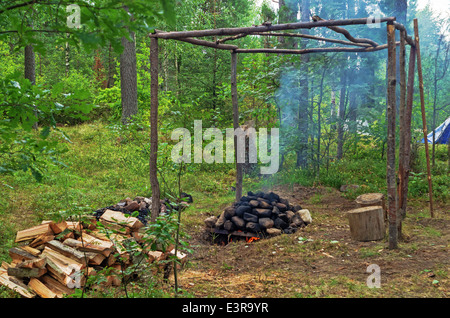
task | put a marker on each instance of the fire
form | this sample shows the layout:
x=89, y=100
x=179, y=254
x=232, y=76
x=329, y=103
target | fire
x=251, y=239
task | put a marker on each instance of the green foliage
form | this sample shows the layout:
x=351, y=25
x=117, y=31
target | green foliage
x=22, y=148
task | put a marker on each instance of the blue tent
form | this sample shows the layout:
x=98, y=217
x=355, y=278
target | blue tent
x=442, y=133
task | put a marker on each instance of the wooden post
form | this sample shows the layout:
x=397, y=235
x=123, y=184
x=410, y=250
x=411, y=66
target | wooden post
x=422, y=105
x=402, y=124
x=391, y=109
x=407, y=132
x=234, y=99
x=154, y=61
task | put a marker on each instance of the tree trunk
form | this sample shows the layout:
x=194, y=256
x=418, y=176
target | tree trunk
x=110, y=80
x=156, y=196
x=390, y=164
x=30, y=73
x=128, y=78
x=234, y=99
x=304, y=95
x=341, y=119
x=67, y=56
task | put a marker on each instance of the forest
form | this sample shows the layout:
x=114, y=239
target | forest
x=96, y=95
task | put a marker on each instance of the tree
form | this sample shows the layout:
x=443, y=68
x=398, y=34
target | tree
x=102, y=22
x=128, y=77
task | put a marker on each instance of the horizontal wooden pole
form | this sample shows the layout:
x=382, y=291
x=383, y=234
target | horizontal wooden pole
x=263, y=28
x=209, y=44
x=312, y=37
x=314, y=50
x=346, y=33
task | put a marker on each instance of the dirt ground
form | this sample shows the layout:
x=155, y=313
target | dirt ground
x=321, y=260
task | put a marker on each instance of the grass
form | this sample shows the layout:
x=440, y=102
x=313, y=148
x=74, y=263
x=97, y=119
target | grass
x=106, y=163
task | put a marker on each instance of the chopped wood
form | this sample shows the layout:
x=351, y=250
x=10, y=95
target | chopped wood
x=26, y=272
x=5, y=281
x=56, y=272
x=56, y=286
x=19, y=255
x=59, y=227
x=41, y=239
x=33, y=263
x=31, y=250
x=5, y=265
x=100, y=234
x=33, y=232
x=68, y=251
x=39, y=288
x=95, y=258
x=66, y=264
x=181, y=256
x=90, y=241
x=121, y=219
x=74, y=225
x=54, y=264
x=155, y=256
x=88, y=247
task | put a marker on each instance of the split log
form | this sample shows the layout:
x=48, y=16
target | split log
x=74, y=225
x=33, y=232
x=5, y=281
x=366, y=223
x=39, y=288
x=31, y=250
x=41, y=239
x=67, y=251
x=33, y=263
x=56, y=286
x=19, y=255
x=94, y=258
x=26, y=272
x=121, y=219
x=91, y=246
x=106, y=246
x=66, y=264
x=59, y=227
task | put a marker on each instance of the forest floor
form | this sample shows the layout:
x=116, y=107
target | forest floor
x=321, y=260
x=106, y=164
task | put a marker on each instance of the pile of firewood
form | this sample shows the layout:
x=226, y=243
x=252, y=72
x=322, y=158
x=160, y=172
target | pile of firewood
x=52, y=259
x=260, y=213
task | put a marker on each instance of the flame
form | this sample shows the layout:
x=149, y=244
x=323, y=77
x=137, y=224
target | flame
x=251, y=239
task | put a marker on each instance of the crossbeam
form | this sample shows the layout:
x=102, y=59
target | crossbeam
x=263, y=28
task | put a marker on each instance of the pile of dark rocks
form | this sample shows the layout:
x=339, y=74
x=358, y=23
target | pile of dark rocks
x=261, y=213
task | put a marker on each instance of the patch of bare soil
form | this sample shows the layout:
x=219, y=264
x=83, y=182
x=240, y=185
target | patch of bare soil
x=322, y=260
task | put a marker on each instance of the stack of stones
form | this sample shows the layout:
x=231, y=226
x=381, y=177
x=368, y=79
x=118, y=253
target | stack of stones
x=261, y=213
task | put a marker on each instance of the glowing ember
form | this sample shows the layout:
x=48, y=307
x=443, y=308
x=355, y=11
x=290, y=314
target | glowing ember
x=251, y=239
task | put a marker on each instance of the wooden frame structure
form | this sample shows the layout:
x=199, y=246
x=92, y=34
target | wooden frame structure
x=396, y=196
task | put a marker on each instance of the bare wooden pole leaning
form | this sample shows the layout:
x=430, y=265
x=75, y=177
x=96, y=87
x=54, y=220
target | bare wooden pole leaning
x=402, y=128
x=422, y=105
x=390, y=167
x=234, y=99
x=407, y=131
x=154, y=129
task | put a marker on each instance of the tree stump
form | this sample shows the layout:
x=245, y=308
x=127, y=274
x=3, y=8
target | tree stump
x=366, y=223
x=372, y=199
